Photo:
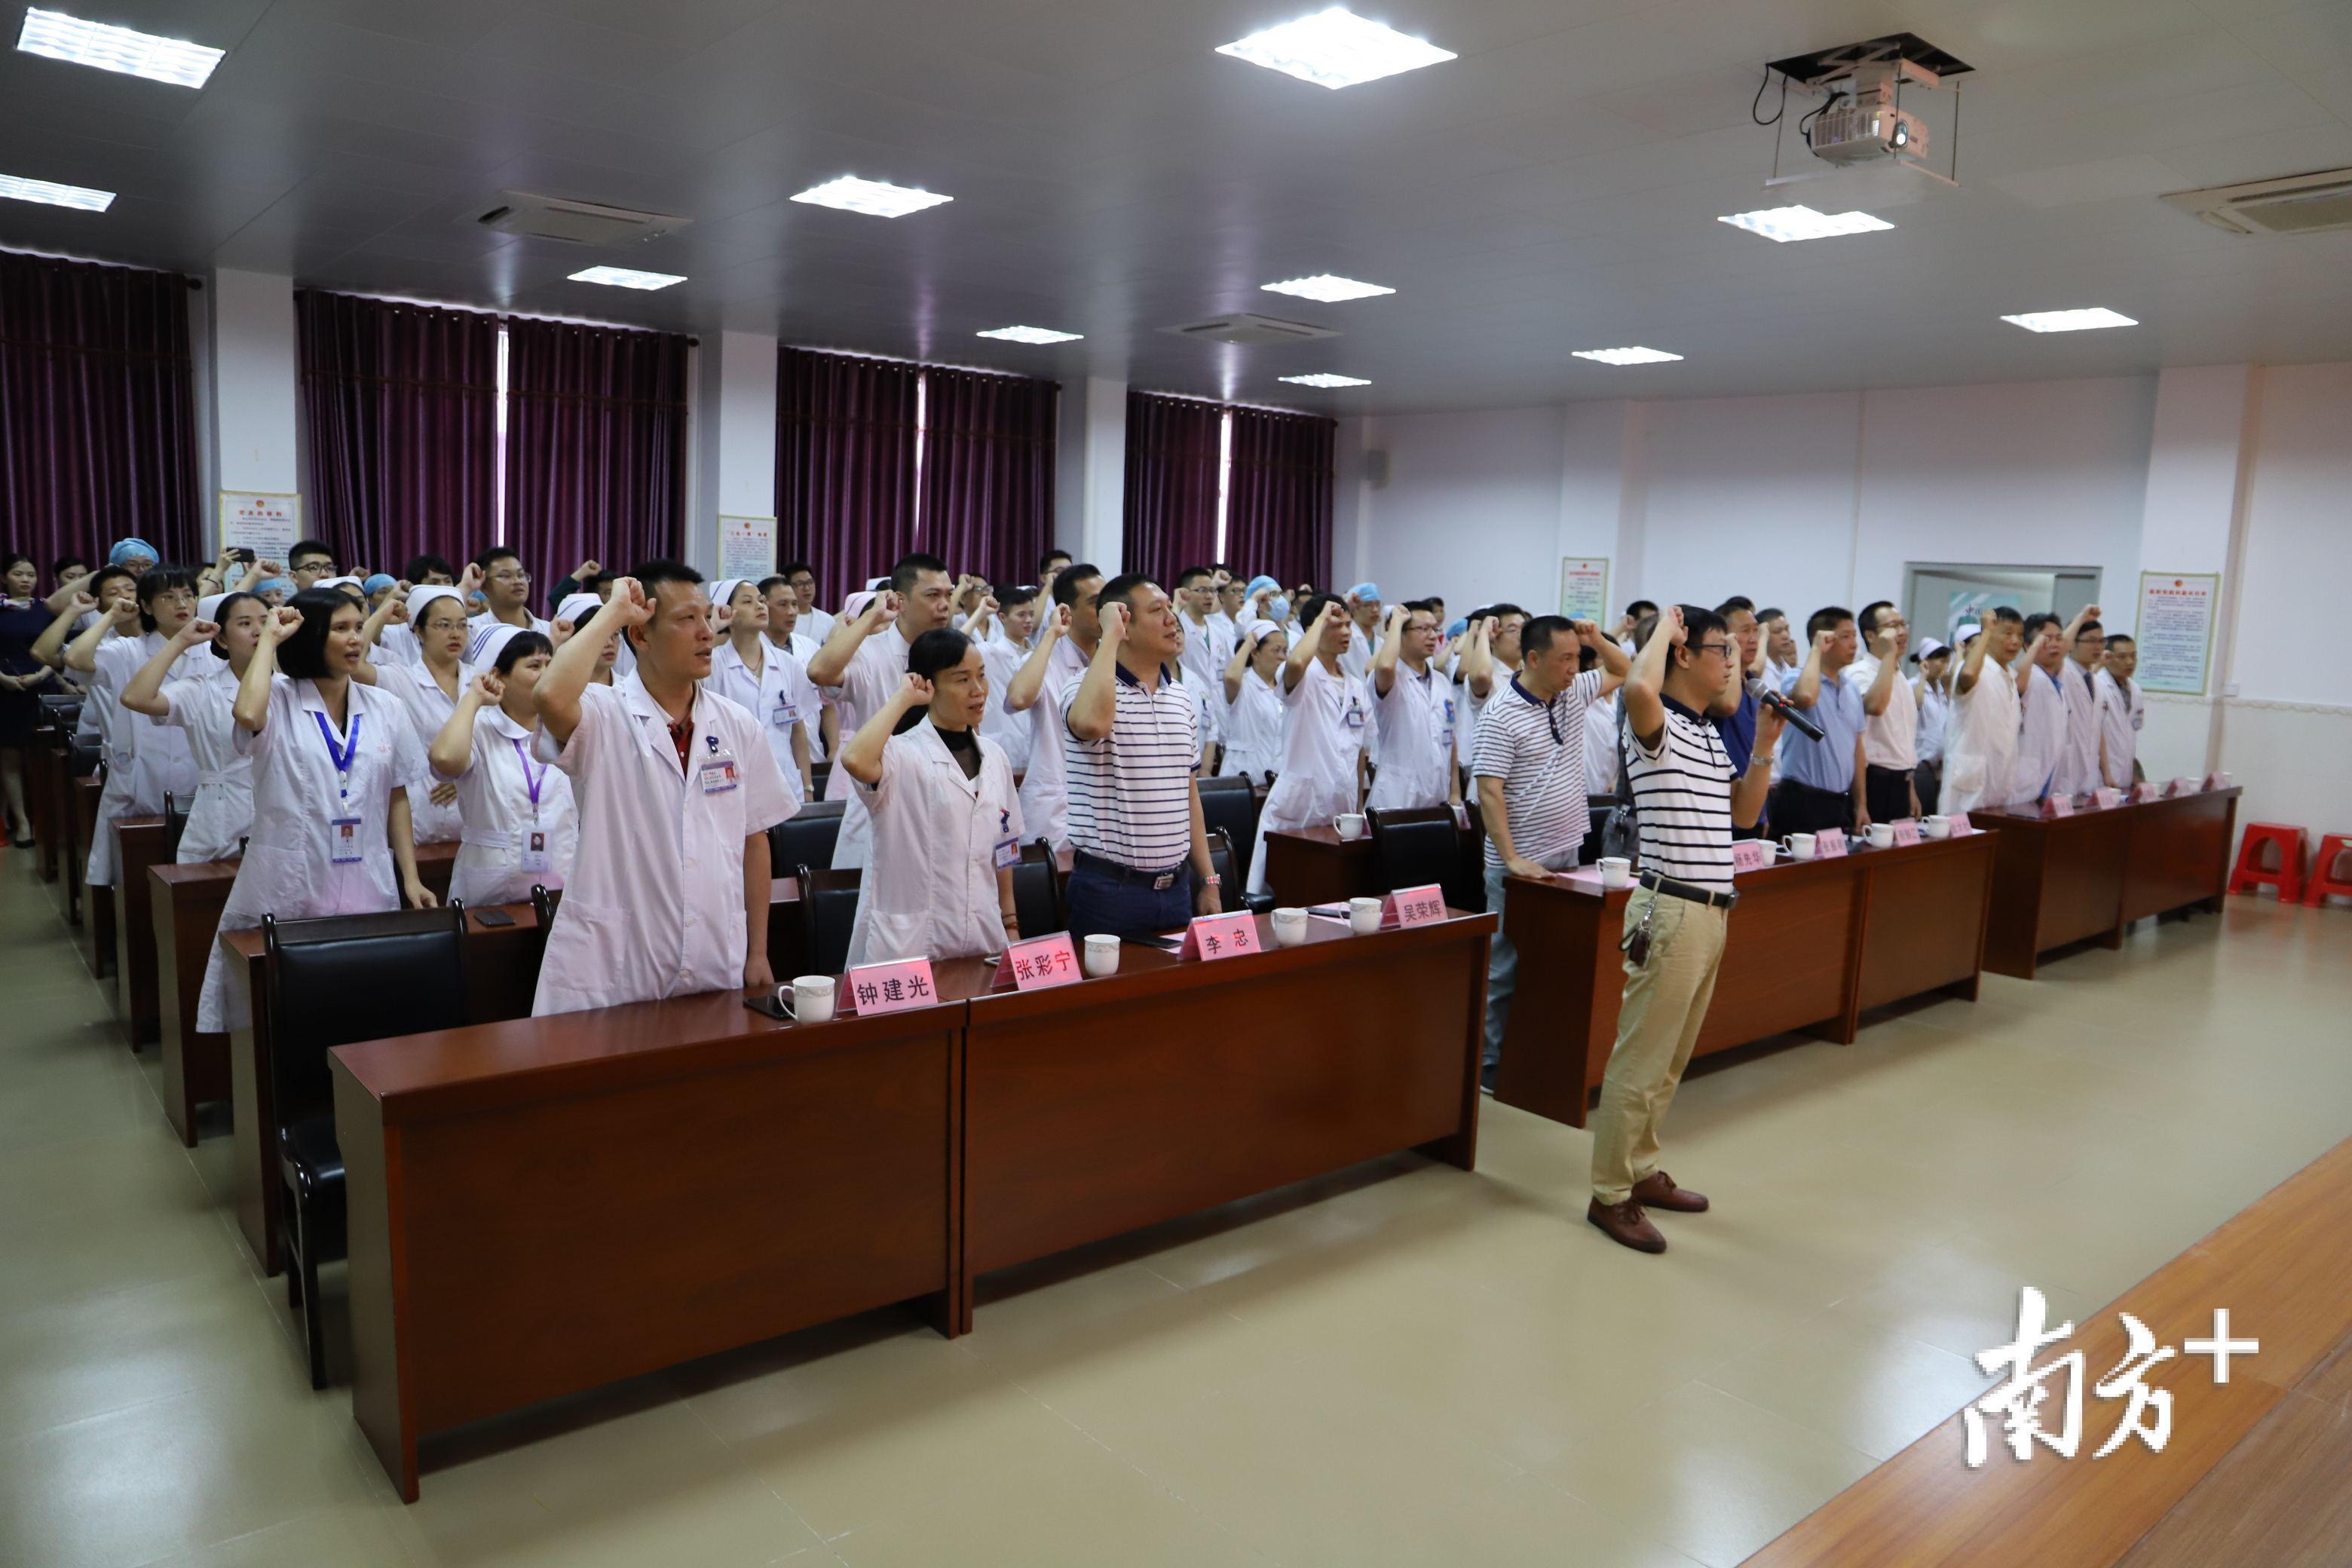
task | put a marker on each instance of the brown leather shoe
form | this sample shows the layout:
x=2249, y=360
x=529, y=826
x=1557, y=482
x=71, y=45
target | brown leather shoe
x=1625, y=1225
x=1657, y=1191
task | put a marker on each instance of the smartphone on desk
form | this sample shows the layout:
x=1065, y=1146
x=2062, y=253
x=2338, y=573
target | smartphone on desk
x=494, y=917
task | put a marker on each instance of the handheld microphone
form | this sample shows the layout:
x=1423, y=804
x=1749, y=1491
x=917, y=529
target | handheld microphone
x=1793, y=717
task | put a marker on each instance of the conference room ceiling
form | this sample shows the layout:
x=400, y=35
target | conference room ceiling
x=1555, y=188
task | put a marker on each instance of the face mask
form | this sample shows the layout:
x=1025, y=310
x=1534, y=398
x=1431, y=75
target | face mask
x=1277, y=609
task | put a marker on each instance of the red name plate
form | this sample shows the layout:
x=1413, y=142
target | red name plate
x=1829, y=846
x=2055, y=805
x=1040, y=963
x=1907, y=832
x=1213, y=937
x=2107, y=798
x=2179, y=787
x=1961, y=825
x=2146, y=790
x=1409, y=907
x=877, y=988
x=1749, y=854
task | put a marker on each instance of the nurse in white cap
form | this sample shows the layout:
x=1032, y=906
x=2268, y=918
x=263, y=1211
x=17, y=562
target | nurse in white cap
x=762, y=680
x=201, y=702
x=427, y=691
x=521, y=825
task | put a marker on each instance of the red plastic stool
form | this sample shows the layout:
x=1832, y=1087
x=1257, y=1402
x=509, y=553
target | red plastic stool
x=2324, y=879
x=2250, y=875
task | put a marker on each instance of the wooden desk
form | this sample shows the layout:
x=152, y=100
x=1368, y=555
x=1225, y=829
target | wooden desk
x=184, y=907
x=501, y=974
x=547, y=1205
x=1079, y=1124
x=139, y=848
x=46, y=777
x=1809, y=946
x=2091, y=875
x=1316, y=865
x=786, y=956
x=99, y=927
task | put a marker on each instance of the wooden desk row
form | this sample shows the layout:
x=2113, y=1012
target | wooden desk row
x=546, y=1204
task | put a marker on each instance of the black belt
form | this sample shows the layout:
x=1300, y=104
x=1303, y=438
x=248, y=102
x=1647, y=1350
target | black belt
x=1804, y=789
x=1691, y=890
x=1158, y=881
x=1890, y=772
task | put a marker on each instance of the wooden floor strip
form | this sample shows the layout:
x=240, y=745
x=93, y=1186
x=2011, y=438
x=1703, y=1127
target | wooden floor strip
x=2279, y=1265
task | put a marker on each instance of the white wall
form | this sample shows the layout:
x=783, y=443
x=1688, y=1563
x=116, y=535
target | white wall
x=251, y=397
x=734, y=439
x=1471, y=510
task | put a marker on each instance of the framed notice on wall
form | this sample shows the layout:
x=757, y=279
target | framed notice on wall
x=747, y=546
x=1584, y=589
x=2176, y=630
x=263, y=521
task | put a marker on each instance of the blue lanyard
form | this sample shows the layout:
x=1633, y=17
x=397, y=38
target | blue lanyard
x=343, y=757
x=530, y=780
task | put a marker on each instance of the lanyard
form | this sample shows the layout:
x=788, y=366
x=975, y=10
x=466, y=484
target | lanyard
x=342, y=757
x=531, y=780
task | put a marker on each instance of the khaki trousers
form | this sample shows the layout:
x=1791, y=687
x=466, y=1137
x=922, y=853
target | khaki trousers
x=1665, y=1004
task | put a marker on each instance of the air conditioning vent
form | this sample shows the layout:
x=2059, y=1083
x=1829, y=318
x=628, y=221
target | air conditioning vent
x=1251, y=330
x=2299, y=204
x=576, y=223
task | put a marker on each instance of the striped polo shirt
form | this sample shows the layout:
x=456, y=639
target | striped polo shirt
x=1682, y=799
x=1536, y=749
x=1131, y=791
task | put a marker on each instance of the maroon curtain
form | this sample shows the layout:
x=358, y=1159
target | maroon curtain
x=988, y=471
x=1279, y=496
x=1171, y=485
x=595, y=447
x=97, y=414
x=844, y=467
x=399, y=405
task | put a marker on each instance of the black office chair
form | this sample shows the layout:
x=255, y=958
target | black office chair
x=175, y=824
x=1037, y=892
x=1420, y=847
x=1230, y=802
x=333, y=982
x=807, y=836
x=1222, y=860
x=820, y=773
x=64, y=710
x=828, y=912
x=87, y=758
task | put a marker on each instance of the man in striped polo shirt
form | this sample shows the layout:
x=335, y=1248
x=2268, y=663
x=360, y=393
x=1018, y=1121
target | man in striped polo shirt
x=1139, y=853
x=1528, y=762
x=1685, y=800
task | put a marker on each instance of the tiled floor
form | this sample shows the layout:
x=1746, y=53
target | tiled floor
x=1405, y=1364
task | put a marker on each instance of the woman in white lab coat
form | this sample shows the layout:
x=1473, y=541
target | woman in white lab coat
x=333, y=755
x=1326, y=713
x=522, y=828
x=200, y=704
x=762, y=679
x=576, y=612
x=144, y=761
x=1253, y=701
x=427, y=691
x=947, y=822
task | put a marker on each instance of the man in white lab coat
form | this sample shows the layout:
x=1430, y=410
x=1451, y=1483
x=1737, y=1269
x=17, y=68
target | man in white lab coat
x=2078, y=766
x=2122, y=710
x=676, y=790
x=863, y=663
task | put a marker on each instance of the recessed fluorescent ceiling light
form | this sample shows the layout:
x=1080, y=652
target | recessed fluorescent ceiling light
x=624, y=278
x=1326, y=287
x=1336, y=48
x=17, y=189
x=1785, y=223
x=1626, y=356
x=877, y=198
x=1325, y=378
x=63, y=38
x=2070, y=321
x=1031, y=335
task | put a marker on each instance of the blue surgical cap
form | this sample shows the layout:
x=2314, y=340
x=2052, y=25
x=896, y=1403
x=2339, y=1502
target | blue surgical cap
x=377, y=583
x=1460, y=624
x=1366, y=591
x=1257, y=583
x=126, y=548
x=282, y=585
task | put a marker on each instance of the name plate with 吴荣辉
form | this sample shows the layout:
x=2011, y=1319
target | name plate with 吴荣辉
x=2057, y=805
x=876, y=988
x=1409, y=907
x=1906, y=832
x=1750, y=855
x=1828, y=844
x=2107, y=799
x=1211, y=937
x=1040, y=963
x=2145, y=791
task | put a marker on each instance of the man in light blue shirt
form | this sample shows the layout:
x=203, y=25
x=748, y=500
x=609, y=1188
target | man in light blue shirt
x=1821, y=786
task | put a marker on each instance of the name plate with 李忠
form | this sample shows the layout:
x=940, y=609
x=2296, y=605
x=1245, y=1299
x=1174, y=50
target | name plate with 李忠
x=1210, y=937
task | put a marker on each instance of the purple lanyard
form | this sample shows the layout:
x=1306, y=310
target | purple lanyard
x=342, y=757
x=530, y=780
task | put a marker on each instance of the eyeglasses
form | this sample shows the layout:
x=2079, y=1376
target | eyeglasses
x=1722, y=648
x=511, y=574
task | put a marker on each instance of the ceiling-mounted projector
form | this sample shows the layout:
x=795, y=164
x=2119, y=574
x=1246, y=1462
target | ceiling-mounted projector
x=1863, y=117
x=1865, y=126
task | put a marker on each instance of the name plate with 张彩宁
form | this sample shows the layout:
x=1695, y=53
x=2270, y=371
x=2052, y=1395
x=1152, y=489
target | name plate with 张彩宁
x=1039, y=963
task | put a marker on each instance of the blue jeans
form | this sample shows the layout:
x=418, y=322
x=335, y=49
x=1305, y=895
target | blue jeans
x=1102, y=903
x=1502, y=978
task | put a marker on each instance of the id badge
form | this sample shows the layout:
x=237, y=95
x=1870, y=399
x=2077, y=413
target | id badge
x=534, y=851
x=718, y=776
x=1355, y=717
x=787, y=715
x=1008, y=853
x=343, y=845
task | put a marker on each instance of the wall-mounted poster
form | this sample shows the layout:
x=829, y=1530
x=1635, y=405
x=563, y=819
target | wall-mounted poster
x=2176, y=629
x=1584, y=589
x=260, y=521
x=747, y=546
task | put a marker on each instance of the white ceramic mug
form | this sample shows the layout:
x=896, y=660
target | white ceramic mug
x=1799, y=845
x=1289, y=927
x=1363, y=914
x=1616, y=871
x=1882, y=834
x=808, y=999
x=1350, y=823
x=1936, y=827
x=1102, y=955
